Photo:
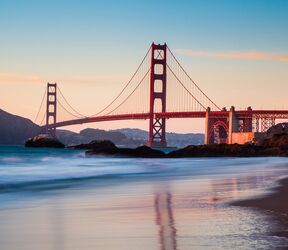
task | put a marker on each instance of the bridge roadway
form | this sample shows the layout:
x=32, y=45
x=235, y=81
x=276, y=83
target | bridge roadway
x=240, y=114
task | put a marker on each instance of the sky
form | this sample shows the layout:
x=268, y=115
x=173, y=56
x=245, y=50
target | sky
x=236, y=51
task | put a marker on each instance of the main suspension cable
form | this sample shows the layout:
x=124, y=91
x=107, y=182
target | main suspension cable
x=79, y=114
x=68, y=110
x=192, y=80
x=45, y=92
x=185, y=87
x=127, y=84
x=130, y=93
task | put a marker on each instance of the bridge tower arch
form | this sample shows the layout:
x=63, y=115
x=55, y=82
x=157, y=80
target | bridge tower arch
x=51, y=109
x=157, y=126
x=216, y=128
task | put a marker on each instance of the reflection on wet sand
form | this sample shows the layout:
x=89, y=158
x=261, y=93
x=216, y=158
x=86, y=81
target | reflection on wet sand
x=237, y=187
x=163, y=215
x=58, y=228
x=165, y=221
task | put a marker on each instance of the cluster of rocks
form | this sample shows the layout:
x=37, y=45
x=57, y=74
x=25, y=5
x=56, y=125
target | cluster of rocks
x=96, y=147
x=106, y=147
x=276, y=145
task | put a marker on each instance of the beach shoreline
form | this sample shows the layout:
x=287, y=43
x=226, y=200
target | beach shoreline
x=274, y=202
x=55, y=200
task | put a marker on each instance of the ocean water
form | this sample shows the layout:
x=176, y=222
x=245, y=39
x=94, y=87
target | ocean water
x=61, y=199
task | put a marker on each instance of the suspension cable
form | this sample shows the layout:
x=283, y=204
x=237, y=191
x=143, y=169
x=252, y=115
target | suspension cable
x=68, y=110
x=185, y=87
x=130, y=93
x=79, y=114
x=43, y=119
x=127, y=84
x=40, y=105
x=192, y=80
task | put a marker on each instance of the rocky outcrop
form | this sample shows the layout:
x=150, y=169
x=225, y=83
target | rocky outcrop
x=44, y=141
x=277, y=145
x=101, y=145
x=276, y=140
x=142, y=151
x=216, y=150
x=279, y=128
x=108, y=148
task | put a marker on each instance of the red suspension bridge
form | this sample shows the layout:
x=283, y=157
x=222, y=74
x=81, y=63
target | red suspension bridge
x=161, y=89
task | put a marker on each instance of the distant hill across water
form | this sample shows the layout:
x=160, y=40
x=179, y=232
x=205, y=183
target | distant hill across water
x=174, y=139
x=15, y=129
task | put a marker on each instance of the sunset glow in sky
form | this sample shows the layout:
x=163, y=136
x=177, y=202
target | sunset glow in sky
x=236, y=51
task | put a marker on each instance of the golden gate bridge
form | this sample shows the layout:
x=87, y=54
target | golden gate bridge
x=158, y=90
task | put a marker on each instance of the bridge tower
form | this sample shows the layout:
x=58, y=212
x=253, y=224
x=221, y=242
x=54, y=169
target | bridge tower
x=158, y=78
x=51, y=108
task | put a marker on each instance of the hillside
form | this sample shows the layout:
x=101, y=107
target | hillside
x=15, y=129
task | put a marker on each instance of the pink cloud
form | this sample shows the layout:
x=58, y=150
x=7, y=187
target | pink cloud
x=17, y=78
x=7, y=77
x=253, y=55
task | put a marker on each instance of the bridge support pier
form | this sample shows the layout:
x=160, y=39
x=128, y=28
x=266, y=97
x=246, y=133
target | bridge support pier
x=239, y=125
x=157, y=126
x=233, y=124
x=207, y=126
x=51, y=109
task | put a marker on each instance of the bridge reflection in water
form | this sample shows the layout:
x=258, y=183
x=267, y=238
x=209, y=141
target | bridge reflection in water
x=165, y=221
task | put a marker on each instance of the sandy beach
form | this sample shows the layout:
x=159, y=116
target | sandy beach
x=275, y=202
x=162, y=215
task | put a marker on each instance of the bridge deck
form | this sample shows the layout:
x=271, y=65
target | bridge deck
x=277, y=114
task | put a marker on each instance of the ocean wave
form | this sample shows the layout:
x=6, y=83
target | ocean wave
x=11, y=159
x=28, y=170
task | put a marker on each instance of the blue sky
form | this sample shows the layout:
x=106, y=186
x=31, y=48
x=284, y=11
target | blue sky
x=87, y=40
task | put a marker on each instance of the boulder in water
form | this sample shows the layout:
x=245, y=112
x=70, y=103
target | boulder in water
x=44, y=141
x=97, y=145
x=142, y=151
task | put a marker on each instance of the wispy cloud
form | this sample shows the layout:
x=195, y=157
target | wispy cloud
x=17, y=78
x=8, y=77
x=246, y=55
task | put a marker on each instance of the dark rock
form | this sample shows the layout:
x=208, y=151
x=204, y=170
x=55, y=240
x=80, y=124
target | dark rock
x=276, y=140
x=279, y=128
x=273, y=151
x=44, y=141
x=98, y=145
x=109, y=148
x=142, y=151
x=277, y=145
x=216, y=150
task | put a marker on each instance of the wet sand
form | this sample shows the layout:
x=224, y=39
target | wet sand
x=159, y=204
x=168, y=215
x=275, y=202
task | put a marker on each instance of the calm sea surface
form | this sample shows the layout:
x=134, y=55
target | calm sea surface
x=60, y=199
